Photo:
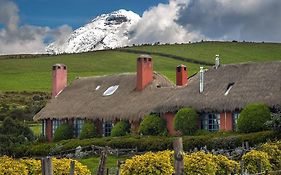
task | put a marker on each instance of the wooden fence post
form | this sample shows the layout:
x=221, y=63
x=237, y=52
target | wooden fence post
x=101, y=169
x=242, y=167
x=259, y=165
x=72, y=168
x=47, y=167
x=178, y=156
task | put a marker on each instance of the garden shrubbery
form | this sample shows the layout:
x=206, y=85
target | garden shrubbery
x=121, y=128
x=186, y=121
x=252, y=159
x=33, y=167
x=149, y=143
x=194, y=164
x=63, y=132
x=153, y=125
x=88, y=130
x=253, y=118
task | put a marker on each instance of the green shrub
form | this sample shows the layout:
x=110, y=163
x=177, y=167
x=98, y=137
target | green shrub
x=252, y=159
x=88, y=130
x=153, y=125
x=63, y=132
x=253, y=118
x=121, y=128
x=15, y=128
x=186, y=121
x=273, y=149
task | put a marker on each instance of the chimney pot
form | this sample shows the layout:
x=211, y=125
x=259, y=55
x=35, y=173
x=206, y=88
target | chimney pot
x=144, y=71
x=59, y=79
x=181, y=75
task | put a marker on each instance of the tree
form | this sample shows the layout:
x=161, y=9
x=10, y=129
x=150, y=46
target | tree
x=186, y=120
x=253, y=118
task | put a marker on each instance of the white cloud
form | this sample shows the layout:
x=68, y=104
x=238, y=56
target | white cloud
x=15, y=39
x=158, y=24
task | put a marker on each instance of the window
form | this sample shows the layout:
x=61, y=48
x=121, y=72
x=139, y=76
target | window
x=109, y=91
x=44, y=127
x=107, y=126
x=97, y=88
x=229, y=87
x=56, y=124
x=210, y=122
x=78, y=124
x=235, y=117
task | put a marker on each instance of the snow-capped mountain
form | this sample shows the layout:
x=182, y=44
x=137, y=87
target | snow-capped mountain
x=104, y=32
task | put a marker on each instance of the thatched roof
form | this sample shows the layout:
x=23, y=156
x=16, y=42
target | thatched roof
x=81, y=99
x=253, y=82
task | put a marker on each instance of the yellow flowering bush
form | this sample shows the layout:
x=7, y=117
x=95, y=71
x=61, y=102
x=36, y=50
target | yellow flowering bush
x=149, y=163
x=200, y=163
x=273, y=149
x=33, y=167
x=225, y=164
x=12, y=167
x=251, y=161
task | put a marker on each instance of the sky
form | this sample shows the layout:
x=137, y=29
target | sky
x=28, y=26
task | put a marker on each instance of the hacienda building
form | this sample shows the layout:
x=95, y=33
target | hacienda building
x=218, y=94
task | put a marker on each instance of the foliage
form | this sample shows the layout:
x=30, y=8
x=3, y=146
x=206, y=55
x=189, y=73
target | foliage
x=153, y=125
x=33, y=167
x=253, y=118
x=186, y=121
x=252, y=159
x=12, y=167
x=225, y=164
x=149, y=163
x=275, y=122
x=21, y=105
x=149, y=143
x=12, y=127
x=63, y=132
x=121, y=128
x=88, y=130
x=273, y=149
x=200, y=163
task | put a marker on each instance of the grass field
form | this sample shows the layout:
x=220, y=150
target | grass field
x=93, y=162
x=34, y=74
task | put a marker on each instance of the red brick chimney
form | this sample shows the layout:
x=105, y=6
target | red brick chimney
x=59, y=81
x=144, y=71
x=181, y=75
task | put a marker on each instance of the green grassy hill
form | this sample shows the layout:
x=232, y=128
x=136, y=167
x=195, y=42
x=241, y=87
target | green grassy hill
x=34, y=74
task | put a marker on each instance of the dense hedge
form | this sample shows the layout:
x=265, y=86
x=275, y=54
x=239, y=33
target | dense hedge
x=149, y=143
x=186, y=121
x=253, y=118
x=153, y=125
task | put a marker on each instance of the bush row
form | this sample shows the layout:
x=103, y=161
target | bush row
x=149, y=143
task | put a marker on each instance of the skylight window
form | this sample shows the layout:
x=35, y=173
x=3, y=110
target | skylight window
x=229, y=87
x=97, y=88
x=109, y=91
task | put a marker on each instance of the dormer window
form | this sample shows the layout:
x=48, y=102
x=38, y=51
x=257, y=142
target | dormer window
x=229, y=87
x=109, y=91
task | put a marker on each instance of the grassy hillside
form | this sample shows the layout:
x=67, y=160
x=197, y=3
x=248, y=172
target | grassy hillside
x=34, y=74
x=230, y=52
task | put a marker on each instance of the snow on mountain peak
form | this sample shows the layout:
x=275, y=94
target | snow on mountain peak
x=106, y=31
